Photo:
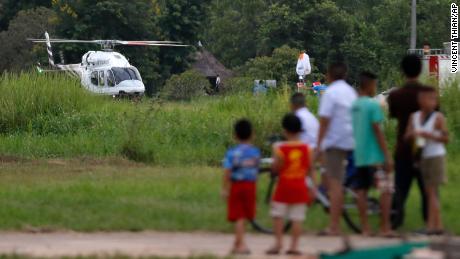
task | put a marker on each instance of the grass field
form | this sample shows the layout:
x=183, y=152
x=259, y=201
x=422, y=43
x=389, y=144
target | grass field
x=67, y=158
x=113, y=195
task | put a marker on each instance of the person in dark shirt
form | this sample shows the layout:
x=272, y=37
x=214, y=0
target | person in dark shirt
x=402, y=103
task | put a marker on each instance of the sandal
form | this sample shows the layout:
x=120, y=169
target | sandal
x=242, y=252
x=328, y=233
x=390, y=234
x=438, y=232
x=273, y=251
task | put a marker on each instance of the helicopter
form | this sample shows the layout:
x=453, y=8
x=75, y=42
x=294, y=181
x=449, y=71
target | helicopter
x=104, y=72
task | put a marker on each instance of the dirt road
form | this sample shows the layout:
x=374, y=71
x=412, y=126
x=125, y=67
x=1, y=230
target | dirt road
x=156, y=244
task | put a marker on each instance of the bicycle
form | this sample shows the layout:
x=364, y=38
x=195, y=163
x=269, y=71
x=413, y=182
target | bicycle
x=350, y=210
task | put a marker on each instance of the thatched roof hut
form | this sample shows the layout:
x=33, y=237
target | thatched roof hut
x=209, y=66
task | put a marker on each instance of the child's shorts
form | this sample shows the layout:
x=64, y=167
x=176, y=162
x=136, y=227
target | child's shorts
x=242, y=201
x=433, y=170
x=294, y=212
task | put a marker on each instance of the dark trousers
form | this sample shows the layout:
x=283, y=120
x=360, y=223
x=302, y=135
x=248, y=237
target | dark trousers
x=405, y=172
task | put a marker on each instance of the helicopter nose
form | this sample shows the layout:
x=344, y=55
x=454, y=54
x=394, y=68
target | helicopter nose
x=131, y=83
x=132, y=86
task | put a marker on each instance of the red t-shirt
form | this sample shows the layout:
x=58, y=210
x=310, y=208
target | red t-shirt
x=292, y=187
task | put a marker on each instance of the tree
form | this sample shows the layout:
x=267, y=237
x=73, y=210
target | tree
x=280, y=66
x=232, y=34
x=17, y=53
x=10, y=8
x=185, y=86
x=180, y=20
x=320, y=27
x=134, y=20
x=433, y=22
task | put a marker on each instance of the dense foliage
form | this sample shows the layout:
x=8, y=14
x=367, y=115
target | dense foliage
x=51, y=116
x=186, y=86
x=367, y=34
x=17, y=53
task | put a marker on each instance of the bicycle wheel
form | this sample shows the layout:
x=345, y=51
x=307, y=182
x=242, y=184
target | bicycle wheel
x=263, y=222
x=266, y=183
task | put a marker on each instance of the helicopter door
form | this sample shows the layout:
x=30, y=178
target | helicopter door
x=101, y=79
x=110, y=78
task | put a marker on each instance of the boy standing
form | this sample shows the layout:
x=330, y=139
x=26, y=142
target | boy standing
x=241, y=165
x=293, y=160
x=427, y=128
x=371, y=152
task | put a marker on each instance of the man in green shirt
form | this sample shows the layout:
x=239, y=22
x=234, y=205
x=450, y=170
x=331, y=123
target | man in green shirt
x=371, y=153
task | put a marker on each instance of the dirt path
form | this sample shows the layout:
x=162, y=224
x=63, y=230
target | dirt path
x=155, y=244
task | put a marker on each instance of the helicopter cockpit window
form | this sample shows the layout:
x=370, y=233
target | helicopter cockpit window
x=110, y=78
x=124, y=73
x=101, y=78
x=94, y=78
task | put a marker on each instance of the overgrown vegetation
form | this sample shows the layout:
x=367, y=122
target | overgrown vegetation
x=184, y=87
x=37, y=103
x=51, y=116
x=43, y=116
x=367, y=34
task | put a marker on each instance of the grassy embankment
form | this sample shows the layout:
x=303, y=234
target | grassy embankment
x=181, y=142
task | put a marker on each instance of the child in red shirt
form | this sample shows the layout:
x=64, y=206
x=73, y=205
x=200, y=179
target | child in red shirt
x=293, y=161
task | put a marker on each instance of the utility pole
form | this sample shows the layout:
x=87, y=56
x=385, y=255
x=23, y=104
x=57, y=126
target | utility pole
x=413, y=28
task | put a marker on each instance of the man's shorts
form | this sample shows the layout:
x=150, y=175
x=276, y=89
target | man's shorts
x=293, y=212
x=241, y=201
x=433, y=170
x=364, y=177
x=336, y=163
x=367, y=177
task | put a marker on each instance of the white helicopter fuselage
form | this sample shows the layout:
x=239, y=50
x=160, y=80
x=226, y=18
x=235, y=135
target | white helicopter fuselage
x=109, y=73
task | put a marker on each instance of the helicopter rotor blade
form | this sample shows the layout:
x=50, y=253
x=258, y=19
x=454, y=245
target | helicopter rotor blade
x=153, y=43
x=113, y=43
x=157, y=44
x=148, y=41
x=64, y=41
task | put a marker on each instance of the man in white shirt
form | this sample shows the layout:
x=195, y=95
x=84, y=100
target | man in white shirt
x=335, y=137
x=303, y=67
x=310, y=124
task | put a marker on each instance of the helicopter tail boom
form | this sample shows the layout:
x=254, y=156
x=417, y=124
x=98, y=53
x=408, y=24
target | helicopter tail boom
x=49, y=50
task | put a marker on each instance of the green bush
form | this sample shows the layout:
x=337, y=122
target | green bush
x=236, y=85
x=280, y=66
x=185, y=86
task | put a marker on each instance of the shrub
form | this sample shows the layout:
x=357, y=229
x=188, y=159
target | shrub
x=185, y=86
x=236, y=85
x=280, y=66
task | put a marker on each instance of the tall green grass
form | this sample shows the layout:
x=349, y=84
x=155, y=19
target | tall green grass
x=44, y=116
x=28, y=97
x=450, y=105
